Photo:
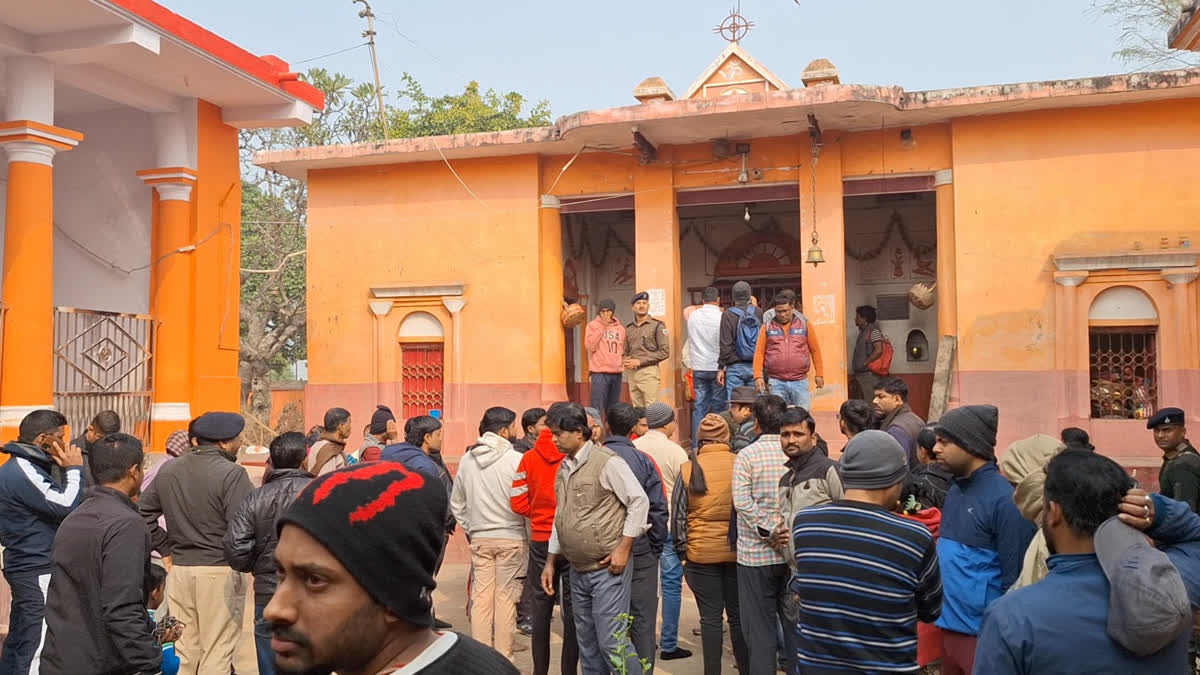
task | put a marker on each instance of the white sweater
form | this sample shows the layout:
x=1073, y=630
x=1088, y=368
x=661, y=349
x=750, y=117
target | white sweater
x=480, y=500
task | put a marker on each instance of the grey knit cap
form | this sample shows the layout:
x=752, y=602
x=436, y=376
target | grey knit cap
x=973, y=427
x=659, y=415
x=873, y=460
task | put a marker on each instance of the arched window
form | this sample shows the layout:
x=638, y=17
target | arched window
x=421, y=325
x=1123, y=354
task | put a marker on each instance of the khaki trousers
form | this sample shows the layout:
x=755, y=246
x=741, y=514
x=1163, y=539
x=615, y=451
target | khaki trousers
x=497, y=565
x=643, y=386
x=211, y=603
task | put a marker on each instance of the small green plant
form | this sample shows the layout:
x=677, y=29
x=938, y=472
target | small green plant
x=620, y=656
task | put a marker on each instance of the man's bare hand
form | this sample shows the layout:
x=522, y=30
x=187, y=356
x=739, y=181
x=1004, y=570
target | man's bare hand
x=819, y=381
x=548, y=578
x=617, y=560
x=1137, y=509
x=760, y=385
x=720, y=378
x=779, y=539
x=64, y=454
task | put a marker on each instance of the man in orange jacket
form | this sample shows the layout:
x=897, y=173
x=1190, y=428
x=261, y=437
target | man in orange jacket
x=532, y=496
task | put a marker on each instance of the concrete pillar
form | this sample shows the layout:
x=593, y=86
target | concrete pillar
x=1180, y=280
x=947, y=263
x=379, y=310
x=172, y=301
x=823, y=288
x=27, y=361
x=656, y=262
x=29, y=89
x=550, y=271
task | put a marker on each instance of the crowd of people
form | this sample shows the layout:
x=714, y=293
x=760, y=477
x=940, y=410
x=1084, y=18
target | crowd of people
x=916, y=548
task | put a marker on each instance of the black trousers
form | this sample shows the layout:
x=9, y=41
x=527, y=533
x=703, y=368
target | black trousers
x=606, y=391
x=716, y=589
x=762, y=597
x=542, y=611
x=643, y=606
x=25, y=620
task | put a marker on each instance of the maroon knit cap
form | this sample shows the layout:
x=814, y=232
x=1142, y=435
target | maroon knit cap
x=386, y=525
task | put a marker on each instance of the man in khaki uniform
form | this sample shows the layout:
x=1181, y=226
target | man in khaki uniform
x=646, y=346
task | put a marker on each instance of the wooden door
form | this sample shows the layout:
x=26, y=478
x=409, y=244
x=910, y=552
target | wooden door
x=422, y=378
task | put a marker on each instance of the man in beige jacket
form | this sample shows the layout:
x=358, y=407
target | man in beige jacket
x=1024, y=465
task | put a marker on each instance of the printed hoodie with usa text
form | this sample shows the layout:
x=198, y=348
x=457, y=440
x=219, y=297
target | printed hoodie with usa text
x=480, y=499
x=532, y=494
x=34, y=505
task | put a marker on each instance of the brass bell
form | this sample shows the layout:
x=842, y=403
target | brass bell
x=815, y=256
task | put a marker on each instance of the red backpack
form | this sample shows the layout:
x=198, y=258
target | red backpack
x=883, y=364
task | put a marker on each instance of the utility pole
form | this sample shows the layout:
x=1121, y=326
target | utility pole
x=369, y=33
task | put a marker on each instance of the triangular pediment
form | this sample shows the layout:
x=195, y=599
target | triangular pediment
x=734, y=72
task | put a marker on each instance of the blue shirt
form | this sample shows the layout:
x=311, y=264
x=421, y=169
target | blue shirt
x=1059, y=625
x=1176, y=530
x=981, y=547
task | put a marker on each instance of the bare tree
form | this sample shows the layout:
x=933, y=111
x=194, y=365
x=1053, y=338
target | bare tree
x=1144, y=25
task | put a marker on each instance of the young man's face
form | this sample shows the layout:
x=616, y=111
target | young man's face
x=641, y=427
x=641, y=307
x=740, y=412
x=783, y=314
x=92, y=434
x=606, y=315
x=536, y=429
x=597, y=429
x=955, y=457
x=796, y=440
x=567, y=442
x=1169, y=436
x=885, y=403
x=321, y=620
x=433, y=441
x=860, y=322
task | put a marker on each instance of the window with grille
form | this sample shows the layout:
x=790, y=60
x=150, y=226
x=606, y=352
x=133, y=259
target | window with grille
x=1123, y=362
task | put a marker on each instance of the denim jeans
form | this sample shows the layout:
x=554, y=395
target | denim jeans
x=606, y=391
x=262, y=640
x=672, y=586
x=795, y=392
x=710, y=397
x=738, y=375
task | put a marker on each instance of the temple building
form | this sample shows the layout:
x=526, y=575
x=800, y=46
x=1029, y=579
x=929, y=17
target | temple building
x=122, y=209
x=1053, y=221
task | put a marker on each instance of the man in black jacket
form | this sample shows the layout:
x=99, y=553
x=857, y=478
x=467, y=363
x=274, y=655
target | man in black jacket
x=198, y=493
x=96, y=620
x=251, y=539
x=104, y=423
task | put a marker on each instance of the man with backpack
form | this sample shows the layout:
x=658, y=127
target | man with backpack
x=740, y=326
x=867, y=361
x=785, y=355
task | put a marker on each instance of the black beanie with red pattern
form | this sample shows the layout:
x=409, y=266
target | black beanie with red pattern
x=386, y=525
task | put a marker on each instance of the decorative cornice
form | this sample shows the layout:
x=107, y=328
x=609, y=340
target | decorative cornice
x=454, y=305
x=30, y=152
x=1181, y=276
x=171, y=412
x=30, y=132
x=419, y=289
x=173, y=183
x=11, y=415
x=1070, y=279
x=380, y=307
x=1143, y=260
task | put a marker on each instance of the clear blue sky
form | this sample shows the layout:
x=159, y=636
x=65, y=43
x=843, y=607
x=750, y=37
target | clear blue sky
x=583, y=55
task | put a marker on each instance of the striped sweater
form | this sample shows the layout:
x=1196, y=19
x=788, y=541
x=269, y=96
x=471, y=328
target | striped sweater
x=864, y=576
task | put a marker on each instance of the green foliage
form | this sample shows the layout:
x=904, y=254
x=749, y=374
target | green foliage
x=274, y=207
x=619, y=657
x=1144, y=25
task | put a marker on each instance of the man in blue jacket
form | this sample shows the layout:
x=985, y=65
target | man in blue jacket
x=983, y=535
x=643, y=595
x=422, y=441
x=1111, y=602
x=34, y=505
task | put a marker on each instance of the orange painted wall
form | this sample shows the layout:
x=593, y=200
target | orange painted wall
x=882, y=152
x=1083, y=180
x=387, y=225
x=217, y=203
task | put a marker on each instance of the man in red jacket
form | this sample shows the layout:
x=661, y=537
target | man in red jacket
x=532, y=496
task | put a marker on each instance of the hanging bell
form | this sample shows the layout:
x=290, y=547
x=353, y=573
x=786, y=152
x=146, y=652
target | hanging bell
x=815, y=256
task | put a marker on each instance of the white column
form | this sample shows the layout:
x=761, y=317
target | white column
x=379, y=309
x=455, y=306
x=29, y=89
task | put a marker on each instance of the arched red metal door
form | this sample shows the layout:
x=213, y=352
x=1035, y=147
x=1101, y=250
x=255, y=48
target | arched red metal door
x=422, y=378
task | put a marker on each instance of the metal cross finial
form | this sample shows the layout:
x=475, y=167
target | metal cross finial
x=735, y=26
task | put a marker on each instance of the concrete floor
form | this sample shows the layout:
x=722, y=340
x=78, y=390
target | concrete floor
x=450, y=600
